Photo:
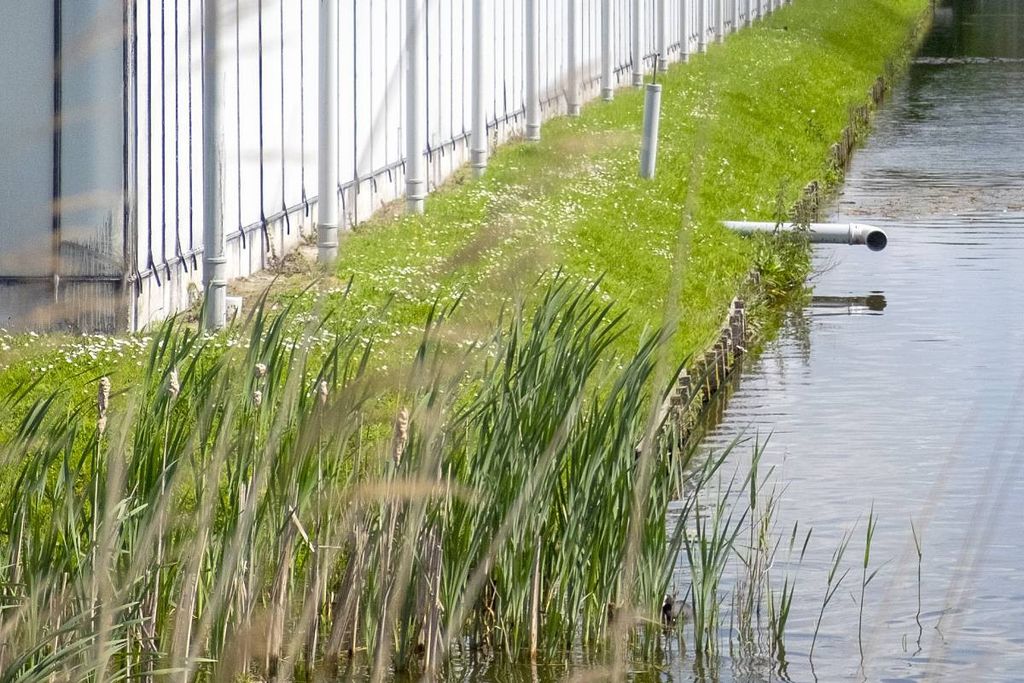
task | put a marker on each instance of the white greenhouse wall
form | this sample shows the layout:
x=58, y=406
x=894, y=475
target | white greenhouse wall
x=269, y=93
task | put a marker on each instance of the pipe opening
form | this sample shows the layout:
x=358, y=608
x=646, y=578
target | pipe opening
x=876, y=240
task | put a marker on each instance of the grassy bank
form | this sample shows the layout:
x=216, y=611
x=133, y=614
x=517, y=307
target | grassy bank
x=744, y=127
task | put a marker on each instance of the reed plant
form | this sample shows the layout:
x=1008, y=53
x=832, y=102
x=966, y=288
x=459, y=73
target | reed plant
x=231, y=512
x=710, y=544
x=779, y=605
x=866, y=578
x=834, y=580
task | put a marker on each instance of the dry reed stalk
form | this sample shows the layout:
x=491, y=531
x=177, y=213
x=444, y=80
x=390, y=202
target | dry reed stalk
x=279, y=597
x=430, y=602
x=345, y=606
x=391, y=512
x=316, y=573
x=535, y=601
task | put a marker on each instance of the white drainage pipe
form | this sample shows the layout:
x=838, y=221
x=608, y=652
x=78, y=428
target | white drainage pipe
x=821, y=233
x=649, y=144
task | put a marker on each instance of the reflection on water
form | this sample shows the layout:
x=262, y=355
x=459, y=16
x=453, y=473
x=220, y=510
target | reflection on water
x=901, y=384
x=872, y=304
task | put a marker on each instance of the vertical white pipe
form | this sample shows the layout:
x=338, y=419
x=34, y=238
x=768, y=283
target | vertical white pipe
x=750, y=13
x=532, y=67
x=572, y=96
x=719, y=20
x=607, y=90
x=735, y=6
x=635, y=43
x=214, y=261
x=649, y=142
x=478, y=139
x=684, y=30
x=415, y=108
x=327, y=143
x=662, y=29
x=702, y=25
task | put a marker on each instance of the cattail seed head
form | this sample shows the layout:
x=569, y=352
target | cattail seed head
x=261, y=370
x=401, y=435
x=102, y=401
x=322, y=392
x=173, y=386
x=257, y=398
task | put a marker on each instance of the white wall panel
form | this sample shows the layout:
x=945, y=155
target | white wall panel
x=269, y=145
x=26, y=135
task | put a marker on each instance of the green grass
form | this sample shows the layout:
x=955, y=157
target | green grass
x=744, y=127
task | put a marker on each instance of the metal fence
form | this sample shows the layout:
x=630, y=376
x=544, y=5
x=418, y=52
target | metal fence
x=128, y=77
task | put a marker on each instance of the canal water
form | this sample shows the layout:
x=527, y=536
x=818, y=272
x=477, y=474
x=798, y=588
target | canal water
x=901, y=385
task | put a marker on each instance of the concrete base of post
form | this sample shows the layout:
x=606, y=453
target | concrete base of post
x=573, y=109
x=662, y=64
x=607, y=94
x=415, y=196
x=478, y=162
x=327, y=244
x=533, y=132
x=216, y=284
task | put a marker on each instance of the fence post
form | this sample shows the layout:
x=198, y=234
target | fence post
x=684, y=30
x=532, y=66
x=214, y=261
x=415, y=109
x=702, y=25
x=327, y=144
x=478, y=142
x=662, y=29
x=719, y=20
x=635, y=44
x=735, y=15
x=607, y=91
x=572, y=98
